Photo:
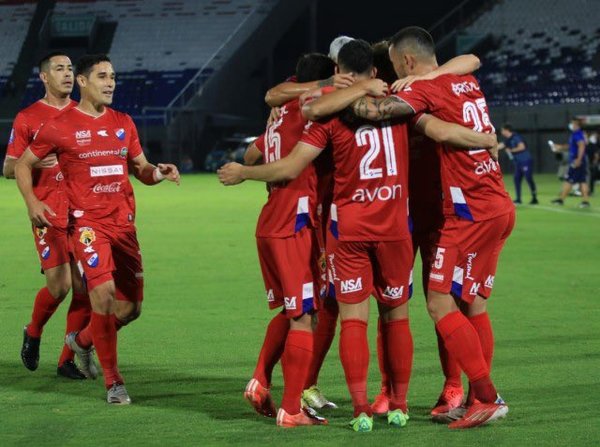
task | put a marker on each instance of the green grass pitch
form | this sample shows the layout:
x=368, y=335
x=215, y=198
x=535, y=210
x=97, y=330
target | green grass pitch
x=189, y=356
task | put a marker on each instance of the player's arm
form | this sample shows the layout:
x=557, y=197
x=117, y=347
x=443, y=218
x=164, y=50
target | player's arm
x=252, y=155
x=456, y=135
x=35, y=208
x=288, y=168
x=558, y=147
x=340, y=99
x=459, y=65
x=8, y=168
x=149, y=174
x=286, y=91
x=379, y=109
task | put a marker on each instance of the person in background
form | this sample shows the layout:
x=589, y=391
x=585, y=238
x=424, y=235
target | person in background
x=577, y=164
x=593, y=154
x=518, y=152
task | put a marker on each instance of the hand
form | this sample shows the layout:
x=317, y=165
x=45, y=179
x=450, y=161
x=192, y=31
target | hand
x=47, y=162
x=170, y=172
x=342, y=80
x=36, y=210
x=274, y=115
x=552, y=146
x=375, y=87
x=311, y=95
x=231, y=174
x=401, y=84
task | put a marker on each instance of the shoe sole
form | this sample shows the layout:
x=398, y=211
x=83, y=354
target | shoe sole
x=500, y=413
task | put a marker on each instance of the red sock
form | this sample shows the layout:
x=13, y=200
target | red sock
x=483, y=326
x=104, y=336
x=295, y=362
x=450, y=366
x=462, y=342
x=272, y=349
x=78, y=316
x=323, y=336
x=354, y=354
x=44, y=307
x=381, y=360
x=84, y=337
x=399, y=356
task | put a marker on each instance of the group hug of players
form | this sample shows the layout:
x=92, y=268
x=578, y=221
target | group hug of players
x=372, y=154
x=71, y=162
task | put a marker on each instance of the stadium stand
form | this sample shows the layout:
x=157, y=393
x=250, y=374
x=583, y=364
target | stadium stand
x=14, y=22
x=185, y=38
x=533, y=53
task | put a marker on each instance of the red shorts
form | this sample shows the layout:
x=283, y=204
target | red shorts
x=467, y=256
x=290, y=271
x=106, y=255
x=52, y=245
x=359, y=269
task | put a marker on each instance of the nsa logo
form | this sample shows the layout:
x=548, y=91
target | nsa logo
x=351, y=285
x=290, y=303
x=270, y=296
x=393, y=293
x=475, y=288
x=82, y=134
x=93, y=260
x=46, y=253
x=120, y=133
x=489, y=281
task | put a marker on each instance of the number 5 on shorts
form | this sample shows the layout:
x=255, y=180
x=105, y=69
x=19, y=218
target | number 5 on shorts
x=439, y=258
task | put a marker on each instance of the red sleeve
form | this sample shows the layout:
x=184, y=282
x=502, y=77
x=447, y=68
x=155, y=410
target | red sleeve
x=20, y=137
x=417, y=96
x=260, y=143
x=316, y=134
x=135, y=148
x=43, y=141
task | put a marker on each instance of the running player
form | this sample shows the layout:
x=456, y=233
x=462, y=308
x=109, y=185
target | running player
x=479, y=214
x=369, y=225
x=288, y=252
x=96, y=146
x=56, y=73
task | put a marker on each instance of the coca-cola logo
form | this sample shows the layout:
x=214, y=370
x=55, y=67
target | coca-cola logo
x=113, y=187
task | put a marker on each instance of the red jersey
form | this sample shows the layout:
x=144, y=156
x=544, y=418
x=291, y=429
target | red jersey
x=93, y=153
x=472, y=181
x=291, y=205
x=48, y=185
x=370, y=193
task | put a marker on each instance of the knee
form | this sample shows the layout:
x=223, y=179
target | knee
x=127, y=314
x=102, y=297
x=59, y=290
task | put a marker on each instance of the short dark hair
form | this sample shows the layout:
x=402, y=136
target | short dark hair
x=381, y=60
x=356, y=56
x=44, y=62
x=313, y=67
x=415, y=38
x=508, y=127
x=87, y=61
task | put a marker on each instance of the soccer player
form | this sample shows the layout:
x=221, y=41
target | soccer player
x=51, y=242
x=96, y=146
x=368, y=247
x=521, y=157
x=479, y=215
x=288, y=251
x=577, y=164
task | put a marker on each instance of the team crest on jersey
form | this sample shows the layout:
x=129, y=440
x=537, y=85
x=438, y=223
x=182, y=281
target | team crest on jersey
x=93, y=260
x=120, y=133
x=123, y=152
x=41, y=232
x=45, y=253
x=12, y=136
x=87, y=236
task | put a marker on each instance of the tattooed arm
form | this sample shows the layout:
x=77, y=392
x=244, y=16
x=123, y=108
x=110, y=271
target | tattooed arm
x=378, y=109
